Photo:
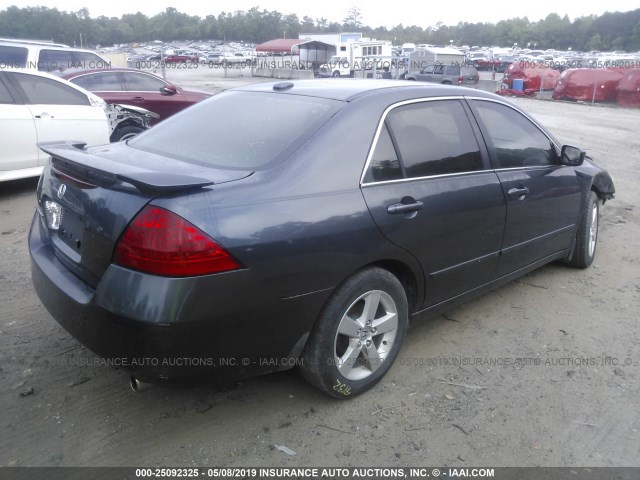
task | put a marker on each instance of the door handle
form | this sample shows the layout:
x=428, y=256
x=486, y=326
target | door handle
x=44, y=115
x=518, y=192
x=138, y=99
x=397, y=208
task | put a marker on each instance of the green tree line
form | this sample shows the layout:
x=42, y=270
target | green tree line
x=610, y=31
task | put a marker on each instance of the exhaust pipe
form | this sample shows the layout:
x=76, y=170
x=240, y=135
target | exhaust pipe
x=137, y=385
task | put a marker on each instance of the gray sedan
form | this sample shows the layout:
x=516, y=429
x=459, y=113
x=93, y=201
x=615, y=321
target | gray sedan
x=303, y=224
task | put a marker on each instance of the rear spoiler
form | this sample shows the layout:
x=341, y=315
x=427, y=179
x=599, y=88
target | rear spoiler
x=72, y=157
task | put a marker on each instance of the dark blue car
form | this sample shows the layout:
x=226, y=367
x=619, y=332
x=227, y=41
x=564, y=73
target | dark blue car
x=302, y=224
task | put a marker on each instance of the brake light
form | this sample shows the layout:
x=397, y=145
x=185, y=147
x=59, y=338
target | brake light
x=460, y=79
x=160, y=242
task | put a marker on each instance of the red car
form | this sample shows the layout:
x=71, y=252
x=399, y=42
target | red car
x=135, y=87
x=181, y=58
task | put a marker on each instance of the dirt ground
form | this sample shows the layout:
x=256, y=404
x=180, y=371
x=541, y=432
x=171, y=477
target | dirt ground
x=543, y=371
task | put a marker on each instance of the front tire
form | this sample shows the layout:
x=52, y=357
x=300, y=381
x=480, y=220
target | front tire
x=335, y=74
x=587, y=235
x=358, y=334
x=125, y=133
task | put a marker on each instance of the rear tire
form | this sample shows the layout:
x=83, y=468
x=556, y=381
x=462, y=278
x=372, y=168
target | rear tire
x=587, y=235
x=358, y=334
x=335, y=74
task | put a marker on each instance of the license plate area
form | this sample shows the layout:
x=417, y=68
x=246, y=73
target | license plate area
x=71, y=230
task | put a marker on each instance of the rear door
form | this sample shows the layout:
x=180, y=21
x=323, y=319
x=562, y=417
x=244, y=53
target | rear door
x=543, y=197
x=19, y=131
x=430, y=191
x=61, y=112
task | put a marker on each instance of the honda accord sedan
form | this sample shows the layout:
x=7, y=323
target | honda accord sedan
x=302, y=224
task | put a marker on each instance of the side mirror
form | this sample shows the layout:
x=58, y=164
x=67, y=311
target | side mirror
x=169, y=90
x=572, y=156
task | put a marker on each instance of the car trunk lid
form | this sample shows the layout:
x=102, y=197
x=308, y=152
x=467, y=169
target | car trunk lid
x=88, y=197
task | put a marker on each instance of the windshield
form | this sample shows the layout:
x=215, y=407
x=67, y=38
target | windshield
x=238, y=130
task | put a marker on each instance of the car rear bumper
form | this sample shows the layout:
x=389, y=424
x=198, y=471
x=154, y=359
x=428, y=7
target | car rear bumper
x=171, y=329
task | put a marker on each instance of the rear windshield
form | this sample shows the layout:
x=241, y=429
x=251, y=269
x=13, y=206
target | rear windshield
x=238, y=130
x=15, y=57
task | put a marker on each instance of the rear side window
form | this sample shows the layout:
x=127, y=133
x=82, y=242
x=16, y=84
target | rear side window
x=13, y=57
x=422, y=140
x=50, y=60
x=238, y=130
x=39, y=90
x=384, y=165
x=434, y=138
x=100, y=82
x=89, y=60
x=515, y=140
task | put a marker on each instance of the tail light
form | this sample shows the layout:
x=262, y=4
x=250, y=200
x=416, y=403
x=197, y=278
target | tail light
x=160, y=242
x=460, y=79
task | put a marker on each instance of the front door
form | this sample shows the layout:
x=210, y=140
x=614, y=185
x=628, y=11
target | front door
x=543, y=197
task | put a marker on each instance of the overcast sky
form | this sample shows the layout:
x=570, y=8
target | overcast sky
x=382, y=12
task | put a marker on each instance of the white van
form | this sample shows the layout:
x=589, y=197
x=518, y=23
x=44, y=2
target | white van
x=46, y=57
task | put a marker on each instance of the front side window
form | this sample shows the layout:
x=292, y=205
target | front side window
x=99, y=82
x=515, y=141
x=45, y=91
x=139, y=82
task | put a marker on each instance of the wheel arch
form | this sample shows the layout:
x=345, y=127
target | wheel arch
x=407, y=278
x=413, y=288
x=602, y=186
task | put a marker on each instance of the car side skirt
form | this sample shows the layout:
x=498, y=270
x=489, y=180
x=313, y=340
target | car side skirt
x=442, y=307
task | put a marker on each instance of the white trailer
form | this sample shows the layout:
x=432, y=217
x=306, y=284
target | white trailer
x=353, y=57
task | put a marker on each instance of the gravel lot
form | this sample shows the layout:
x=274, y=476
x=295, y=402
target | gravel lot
x=457, y=396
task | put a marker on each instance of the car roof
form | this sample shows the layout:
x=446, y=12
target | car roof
x=76, y=72
x=39, y=43
x=349, y=89
x=26, y=71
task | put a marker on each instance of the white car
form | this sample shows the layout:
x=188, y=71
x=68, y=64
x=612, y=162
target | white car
x=37, y=107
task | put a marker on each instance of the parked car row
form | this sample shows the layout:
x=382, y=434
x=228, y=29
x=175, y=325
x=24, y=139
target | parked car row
x=135, y=87
x=36, y=107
